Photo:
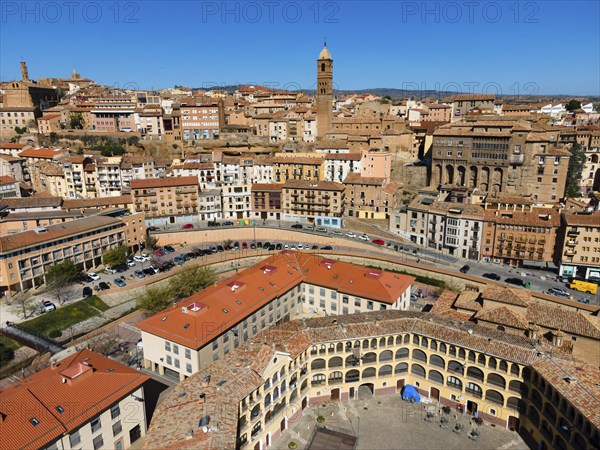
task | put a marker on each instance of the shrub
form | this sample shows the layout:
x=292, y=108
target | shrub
x=54, y=334
x=292, y=445
x=320, y=419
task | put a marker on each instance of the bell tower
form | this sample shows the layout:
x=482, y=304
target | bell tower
x=324, y=92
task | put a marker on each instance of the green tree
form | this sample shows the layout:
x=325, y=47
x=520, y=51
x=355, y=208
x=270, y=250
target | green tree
x=59, y=278
x=150, y=242
x=155, y=299
x=191, y=280
x=76, y=121
x=116, y=256
x=6, y=353
x=576, y=163
x=573, y=105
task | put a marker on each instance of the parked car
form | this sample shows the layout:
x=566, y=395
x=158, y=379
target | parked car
x=378, y=242
x=220, y=248
x=465, y=268
x=87, y=292
x=414, y=297
x=190, y=255
x=178, y=260
x=121, y=268
x=336, y=233
x=149, y=271
x=169, y=249
x=363, y=237
x=119, y=282
x=158, y=253
x=278, y=246
x=236, y=245
x=491, y=276
x=558, y=292
x=515, y=281
x=213, y=249
x=229, y=223
x=48, y=306
x=266, y=244
x=139, y=274
x=253, y=245
x=321, y=230
x=187, y=226
x=166, y=266
x=564, y=279
x=130, y=263
x=271, y=247
x=103, y=286
x=297, y=226
x=350, y=234
x=109, y=270
x=93, y=276
x=152, y=228
x=314, y=247
x=213, y=224
x=300, y=246
x=244, y=245
x=327, y=247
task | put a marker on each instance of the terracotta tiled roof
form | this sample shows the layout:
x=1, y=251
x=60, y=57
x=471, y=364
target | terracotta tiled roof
x=468, y=300
x=576, y=381
x=31, y=202
x=510, y=296
x=274, y=187
x=356, y=178
x=5, y=179
x=49, y=116
x=583, y=219
x=95, y=383
x=164, y=182
x=344, y=156
x=229, y=301
x=567, y=320
x=10, y=145
x=96, y=202
x=43, y=153
x=503, y=316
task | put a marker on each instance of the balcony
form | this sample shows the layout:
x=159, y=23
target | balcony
x=570, y=252
x=571, y=243
x=572, y=233
x=516, y=159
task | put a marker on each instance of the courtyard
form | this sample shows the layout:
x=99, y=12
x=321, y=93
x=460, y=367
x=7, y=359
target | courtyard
x=388, y=422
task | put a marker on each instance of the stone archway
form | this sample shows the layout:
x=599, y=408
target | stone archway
x=449, y=174
x=473, y=177
x=461, y=175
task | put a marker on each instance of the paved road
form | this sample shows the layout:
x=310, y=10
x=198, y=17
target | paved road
x=541, y=279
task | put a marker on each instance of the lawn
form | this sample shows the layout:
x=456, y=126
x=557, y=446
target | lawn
x=50, y=323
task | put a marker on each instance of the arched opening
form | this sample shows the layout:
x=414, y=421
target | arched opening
x=473, y=177
x=401, y=368
x=322, y=67
x=494, y=397
x=384, y=371
x=335, y=377
x=475, y=373
x=419, y=355
x=402, y=353
x=369, y=372
x=336, y=361
x=436, y=377
x=449, y=174
x=418, y=370
x=352, y=375
x=370, y=357
x=474, y=389
x=365, y=391
x=496, y=380
x=461, y=174
x=437, y=361
x=386, y=356
x=317, y=364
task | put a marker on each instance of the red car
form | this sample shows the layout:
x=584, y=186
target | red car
x=158, y=253
x=378, y=242
x=244, y=245
x=187, y=226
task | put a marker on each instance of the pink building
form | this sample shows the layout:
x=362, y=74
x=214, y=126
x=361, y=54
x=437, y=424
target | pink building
x=376, y=163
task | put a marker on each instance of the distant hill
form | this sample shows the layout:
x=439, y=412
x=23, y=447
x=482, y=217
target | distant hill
x=400, y=94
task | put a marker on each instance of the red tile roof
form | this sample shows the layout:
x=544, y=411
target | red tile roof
x=226, y=305
x=44, y=153
x=93, y=383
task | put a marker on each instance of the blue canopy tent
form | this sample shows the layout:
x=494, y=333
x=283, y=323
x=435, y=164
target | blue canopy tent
x=410, y=394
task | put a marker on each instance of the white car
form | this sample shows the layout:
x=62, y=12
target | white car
x=93, y=276
x=139, y=258
x=286, y=246
x=336, y=233
x=364, y=237
x=48, y=306
x=350, y=234
x=130, y=263
x=300, y=246
x=110, y=270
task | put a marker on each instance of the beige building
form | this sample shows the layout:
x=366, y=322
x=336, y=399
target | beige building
x=370, y=197
x=268, y=382
x=266, y=200
x=84, y=401
x=297, y=167
x=9, y=187
x=212, y=323
x=307, y=200
x=49, y=123
x=25, y=256
x=167, y=200
x=201, y=118
x=579, y=245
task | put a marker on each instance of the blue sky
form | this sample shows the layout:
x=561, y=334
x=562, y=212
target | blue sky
x=504, y=47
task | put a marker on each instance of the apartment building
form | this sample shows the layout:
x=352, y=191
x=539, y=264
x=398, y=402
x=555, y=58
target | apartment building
x=590, y=176
x=201, y=118
x=376, y=163
x=210, y=324
x=9, y=187
x=462, y=104
x=370, y=197
x=113, y=113
x=108, y=178
x=337, y=166
x=266, y=201
x=306, y=201
x=520, y=236
x=82, y=401
x=450, y=227
x=15, y=116
x=49, y=123
x=292, y=167
x=268, y=382
x=167, y=200
x=236, y=201
x=74, y=173
x=26, y=256
x=579, y=245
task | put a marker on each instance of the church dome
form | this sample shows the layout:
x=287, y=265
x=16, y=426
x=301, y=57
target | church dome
x=325, y=53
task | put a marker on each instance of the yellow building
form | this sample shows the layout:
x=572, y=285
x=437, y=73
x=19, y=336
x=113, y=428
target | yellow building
x=268, y=381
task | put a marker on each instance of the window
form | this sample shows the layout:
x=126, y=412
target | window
x=134, y=434
x=176, y=349
x=167, y=346
x=115, y=412
x=98, y=442
x=177, y=363
x=96, y=425
x=215, y=345
x=188, y=353
x=188, y=368
x=345, y=299
x=369, y=305
x=357, y=303
x=117, y=428
x=75, y=439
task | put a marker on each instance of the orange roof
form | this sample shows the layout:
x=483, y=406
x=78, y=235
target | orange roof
x=45, y=153
x=5, y=179
x=163, y=182
x=11, y=145
x=49, y=116
x=199, y=319
x=92, y=383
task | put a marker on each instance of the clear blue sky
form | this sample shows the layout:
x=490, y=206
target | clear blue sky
x=543, y=47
